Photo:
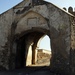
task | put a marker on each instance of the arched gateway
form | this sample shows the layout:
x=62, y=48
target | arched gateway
x=25, y=24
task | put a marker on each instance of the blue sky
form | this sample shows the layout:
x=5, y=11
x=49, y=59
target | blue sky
x=63, y=3
x=7, y=4
x=45, y=43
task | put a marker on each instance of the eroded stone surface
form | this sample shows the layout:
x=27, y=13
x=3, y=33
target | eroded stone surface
x=22, y=26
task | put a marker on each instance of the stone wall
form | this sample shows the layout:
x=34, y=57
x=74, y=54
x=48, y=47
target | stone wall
x=6, y=20
x=44, y=18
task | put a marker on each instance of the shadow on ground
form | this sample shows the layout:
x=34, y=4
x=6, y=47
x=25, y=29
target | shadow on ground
x=45, y=70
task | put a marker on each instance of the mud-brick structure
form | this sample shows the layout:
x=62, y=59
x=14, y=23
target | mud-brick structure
x=24, y=25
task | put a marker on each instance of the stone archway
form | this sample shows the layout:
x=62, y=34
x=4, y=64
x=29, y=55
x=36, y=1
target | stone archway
x=33, y=23
x=26, y=53
x=23, y=21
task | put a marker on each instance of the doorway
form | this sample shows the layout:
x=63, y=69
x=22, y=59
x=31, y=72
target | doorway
x=28, y=48
x=44, y=51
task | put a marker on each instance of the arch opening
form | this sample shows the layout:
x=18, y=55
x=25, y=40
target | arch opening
x=28, y=47
x=44, y=51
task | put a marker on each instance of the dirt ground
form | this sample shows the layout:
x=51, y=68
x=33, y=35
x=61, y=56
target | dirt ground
x=43, y=61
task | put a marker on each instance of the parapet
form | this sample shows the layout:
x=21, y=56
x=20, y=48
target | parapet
x=70, y=10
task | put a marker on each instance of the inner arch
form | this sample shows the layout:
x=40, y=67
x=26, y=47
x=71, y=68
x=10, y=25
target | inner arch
x=45, y=43
x=27, y=49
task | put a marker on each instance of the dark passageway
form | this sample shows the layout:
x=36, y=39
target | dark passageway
x=27, y=49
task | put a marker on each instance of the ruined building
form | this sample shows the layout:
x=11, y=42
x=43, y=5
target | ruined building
x=22, y=26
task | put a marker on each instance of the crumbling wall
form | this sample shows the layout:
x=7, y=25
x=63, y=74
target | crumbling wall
x=6, y=20
x=72, y=50
x=60, y=37
x=49, y=17
x=58, y=23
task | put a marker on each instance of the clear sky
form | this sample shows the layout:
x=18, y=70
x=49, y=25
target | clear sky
x=45, y=43
x=63, y=3
x=7, y=4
